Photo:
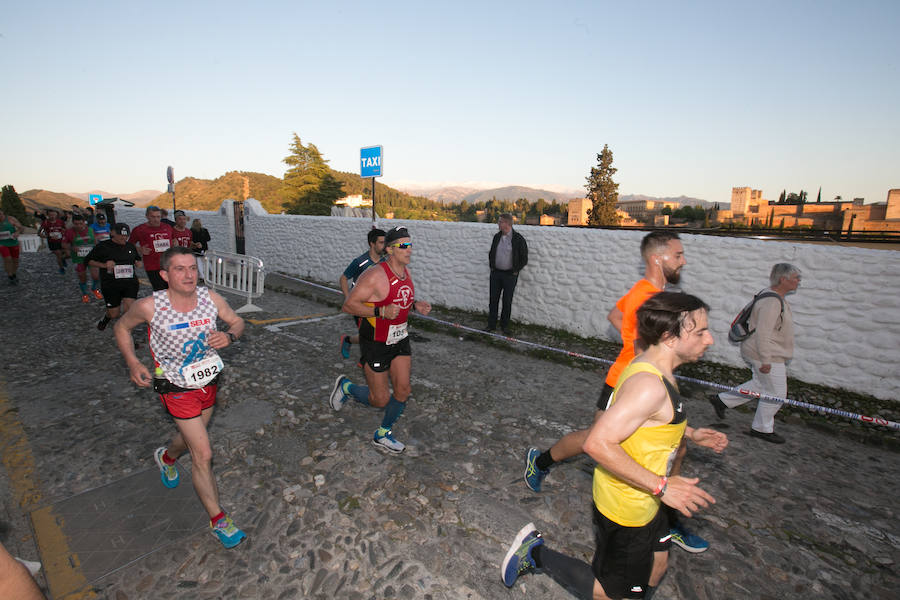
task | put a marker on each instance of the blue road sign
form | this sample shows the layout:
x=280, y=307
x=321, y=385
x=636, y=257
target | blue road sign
x=95, y=198
x=370, y=161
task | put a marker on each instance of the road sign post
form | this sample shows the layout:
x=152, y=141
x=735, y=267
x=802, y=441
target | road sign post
x=371, y=161
x=170, y=176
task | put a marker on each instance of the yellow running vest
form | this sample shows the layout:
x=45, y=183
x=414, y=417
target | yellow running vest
x=651, y=447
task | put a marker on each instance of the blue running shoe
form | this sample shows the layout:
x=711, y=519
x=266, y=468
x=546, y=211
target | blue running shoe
x=518, y=560
x=338, y=395
x=228, y=534
x=345, y=346
x=384, y=440
x=686, y=540
x=533, y=475
x=168, y=473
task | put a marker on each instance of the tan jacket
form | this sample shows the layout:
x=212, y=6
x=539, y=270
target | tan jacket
x=773, y=338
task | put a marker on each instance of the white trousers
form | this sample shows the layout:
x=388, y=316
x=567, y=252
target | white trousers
x=773, y=383
x=200, y=262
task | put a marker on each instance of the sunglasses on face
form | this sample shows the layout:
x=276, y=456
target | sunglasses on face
x=402, y=245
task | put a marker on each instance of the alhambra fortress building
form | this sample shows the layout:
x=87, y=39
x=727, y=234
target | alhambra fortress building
x=748, y=207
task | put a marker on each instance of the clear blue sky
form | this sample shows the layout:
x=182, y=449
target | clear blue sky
x=692, y=97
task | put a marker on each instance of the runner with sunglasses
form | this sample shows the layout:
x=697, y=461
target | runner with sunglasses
x=382, y=298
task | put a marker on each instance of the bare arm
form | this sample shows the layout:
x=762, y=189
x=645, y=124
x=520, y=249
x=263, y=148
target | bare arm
x=140, y=312
x=345, y=285
x=369, y=288
x=15, y=580
x=615, y=317
x=17, y=225
x=640, y=397
x=709, y=438
x=639, y=403
x=220, y=339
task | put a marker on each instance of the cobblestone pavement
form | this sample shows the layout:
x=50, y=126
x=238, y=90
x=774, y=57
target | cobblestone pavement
x=329, y=516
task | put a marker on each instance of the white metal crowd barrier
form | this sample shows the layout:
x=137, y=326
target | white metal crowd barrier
x=29, y=242
x=236, y=273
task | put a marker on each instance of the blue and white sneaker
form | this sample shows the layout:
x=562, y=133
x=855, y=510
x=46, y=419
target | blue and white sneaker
x=518, y=560
x=338, y=394
x=168, y=473
x=228, y=534
x=686, y=540
x=345, y=346
x=384, y=440
x=533, y=475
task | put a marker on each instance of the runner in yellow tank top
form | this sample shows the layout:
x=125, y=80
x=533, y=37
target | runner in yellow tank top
x=633, y=443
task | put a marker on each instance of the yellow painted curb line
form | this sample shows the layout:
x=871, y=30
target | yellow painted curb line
x=280, y=319
x=61, y=566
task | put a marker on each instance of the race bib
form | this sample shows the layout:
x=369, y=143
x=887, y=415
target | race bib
x=200, y=373
x=83, y=251
x=395, y=333
x=124, y=271
x=5, y=235
x=161, y=245
x=55, y=235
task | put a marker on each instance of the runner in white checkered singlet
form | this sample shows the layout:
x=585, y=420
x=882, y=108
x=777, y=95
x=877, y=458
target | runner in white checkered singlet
x=184, y=341
x=180, y=341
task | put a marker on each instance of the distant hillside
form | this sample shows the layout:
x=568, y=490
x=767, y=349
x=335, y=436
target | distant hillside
x=444, y=195
x=41, y=199
x=141, y=198
x=208, y=194
x=514, y=192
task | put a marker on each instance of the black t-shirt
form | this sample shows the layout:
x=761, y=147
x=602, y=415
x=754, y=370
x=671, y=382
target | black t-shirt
x=202, y=236
x=121, y=255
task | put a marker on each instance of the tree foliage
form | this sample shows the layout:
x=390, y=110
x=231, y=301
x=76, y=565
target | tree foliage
x=309, y=186
x=690, y=213
x=602, y=190
x=12, y=205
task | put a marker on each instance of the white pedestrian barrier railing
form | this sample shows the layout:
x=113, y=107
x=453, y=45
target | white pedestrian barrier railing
x=29, y=242
x=238, y=273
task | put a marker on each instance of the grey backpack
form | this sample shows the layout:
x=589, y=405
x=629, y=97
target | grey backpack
x=740, y=327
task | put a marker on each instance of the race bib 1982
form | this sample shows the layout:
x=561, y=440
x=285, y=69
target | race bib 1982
x=200, y=373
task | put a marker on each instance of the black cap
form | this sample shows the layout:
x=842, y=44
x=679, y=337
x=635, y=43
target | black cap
x=121, y=229
x=180, y=213
x=395, y=233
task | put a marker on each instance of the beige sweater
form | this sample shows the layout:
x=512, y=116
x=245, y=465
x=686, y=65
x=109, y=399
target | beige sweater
x=773, y=340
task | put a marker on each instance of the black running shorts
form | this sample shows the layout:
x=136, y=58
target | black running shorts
x=379, y=355
x=623, y=557
x=113, y=292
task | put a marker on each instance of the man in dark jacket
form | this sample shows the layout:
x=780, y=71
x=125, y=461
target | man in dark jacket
x=508, y=254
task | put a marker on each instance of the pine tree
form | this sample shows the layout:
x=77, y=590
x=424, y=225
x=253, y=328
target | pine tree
x=782, y=197
x=12, y=205
x=309, y=187
x=602, y=190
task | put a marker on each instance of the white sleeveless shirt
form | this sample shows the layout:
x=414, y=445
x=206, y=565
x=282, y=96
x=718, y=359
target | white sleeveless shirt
x=178, y=340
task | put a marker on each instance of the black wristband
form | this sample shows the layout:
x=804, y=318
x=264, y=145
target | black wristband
x=231, y=336
x=377, y=312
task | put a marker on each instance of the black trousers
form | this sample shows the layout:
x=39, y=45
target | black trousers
x=502, y=283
